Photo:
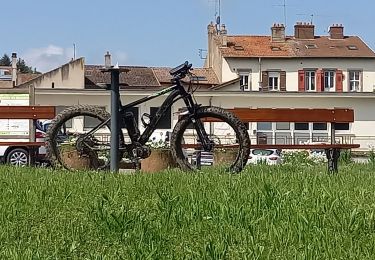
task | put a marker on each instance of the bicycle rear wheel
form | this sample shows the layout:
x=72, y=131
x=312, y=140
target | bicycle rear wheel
x=231, y=143
x=70, y=145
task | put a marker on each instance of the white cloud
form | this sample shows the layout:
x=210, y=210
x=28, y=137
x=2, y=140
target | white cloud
x=47, y=58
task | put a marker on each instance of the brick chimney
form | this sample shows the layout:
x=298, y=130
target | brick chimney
x=14, y=69
x=223, y=36
x=336, y=31
x=107, y=60
x=278, y=32
x=304, y=31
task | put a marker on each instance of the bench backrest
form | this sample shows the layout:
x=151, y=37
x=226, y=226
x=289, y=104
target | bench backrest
x=27, y=112
x=303, y=115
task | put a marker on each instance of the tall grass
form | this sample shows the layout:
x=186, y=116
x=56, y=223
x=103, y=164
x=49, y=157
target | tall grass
x=286, y=212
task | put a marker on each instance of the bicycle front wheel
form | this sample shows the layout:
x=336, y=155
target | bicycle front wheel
x=73, y=141
x=227, y=134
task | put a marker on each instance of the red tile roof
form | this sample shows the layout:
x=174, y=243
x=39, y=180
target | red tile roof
x=261, y=46
x=136, y=77
x=206, y=76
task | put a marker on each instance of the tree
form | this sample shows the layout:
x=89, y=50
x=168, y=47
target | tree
x=22, y=67
x=5, y=60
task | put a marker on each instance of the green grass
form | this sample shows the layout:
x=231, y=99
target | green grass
x=288, y=212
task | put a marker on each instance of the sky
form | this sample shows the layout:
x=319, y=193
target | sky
x=158, y=32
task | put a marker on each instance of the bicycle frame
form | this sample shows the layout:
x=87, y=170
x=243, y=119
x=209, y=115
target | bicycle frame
x=177, y=92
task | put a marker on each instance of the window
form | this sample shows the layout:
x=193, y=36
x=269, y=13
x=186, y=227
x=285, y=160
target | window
x=354, y=80
x=282, y=126
x=245, y=80
x=4, y=72
x=301, y=126
x=319, y=126
x=273, y=80
x=90, y=122
x=135, y=111
x=264, y=126
x=329, y=80
x=309, y=80
x=58, y=110
x=165, y=121
x=342, y=126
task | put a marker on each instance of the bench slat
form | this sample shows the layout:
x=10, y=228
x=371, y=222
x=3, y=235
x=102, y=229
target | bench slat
x=283, y=146
x=303, y=115
x=26, y=144
x=27, y=112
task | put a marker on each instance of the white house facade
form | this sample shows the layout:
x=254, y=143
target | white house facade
x=299, y=71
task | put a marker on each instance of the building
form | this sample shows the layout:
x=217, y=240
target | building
x=301, y=71
x=273, y=71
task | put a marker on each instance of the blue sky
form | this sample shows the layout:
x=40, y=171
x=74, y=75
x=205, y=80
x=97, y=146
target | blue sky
x=157, y=32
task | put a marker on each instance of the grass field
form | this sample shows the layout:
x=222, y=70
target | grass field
x=287, y=212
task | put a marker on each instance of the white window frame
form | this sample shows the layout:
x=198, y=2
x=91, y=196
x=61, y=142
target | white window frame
x=331, y=80
x=310, y=80
x=274, y=77
x=354, y=80
x=245, y=75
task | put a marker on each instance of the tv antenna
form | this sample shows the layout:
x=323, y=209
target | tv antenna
x=284, y=6
x=217, y=14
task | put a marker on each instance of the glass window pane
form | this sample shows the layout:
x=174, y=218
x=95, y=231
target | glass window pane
x=282, y=126
x=342, y=126
x=319, y=126
x=301, y=126
x=264, y=126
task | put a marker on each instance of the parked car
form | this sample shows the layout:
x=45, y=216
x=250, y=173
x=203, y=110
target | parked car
x=19, y=155
x=266, y=156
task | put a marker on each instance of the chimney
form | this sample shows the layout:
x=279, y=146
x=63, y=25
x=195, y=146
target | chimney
x=14, y=69
x=223, y=36
x=278, y=33
x=304, y=31
x=336, y=31
x=211, y=30
x=107, y=60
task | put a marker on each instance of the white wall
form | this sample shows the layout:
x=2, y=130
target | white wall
x=291, y=66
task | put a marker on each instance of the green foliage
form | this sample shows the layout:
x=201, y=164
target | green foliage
x=371, y=157
x=302, y=158
x=346, y=156
x=23, y=68
x=283, y=212
x=5, y=60
x=21, y=65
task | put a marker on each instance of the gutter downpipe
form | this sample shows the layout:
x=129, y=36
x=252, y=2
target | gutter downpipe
x=260, y=73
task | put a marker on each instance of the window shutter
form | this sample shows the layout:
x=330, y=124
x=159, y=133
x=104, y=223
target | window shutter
x=339, y=78
x=265, y=81
x=319, y=81
x=301, y=81
x=282, y=81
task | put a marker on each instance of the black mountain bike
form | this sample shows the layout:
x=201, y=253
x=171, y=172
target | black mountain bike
x=200, y=130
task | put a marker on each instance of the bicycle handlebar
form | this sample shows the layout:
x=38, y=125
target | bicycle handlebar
x=181, y=70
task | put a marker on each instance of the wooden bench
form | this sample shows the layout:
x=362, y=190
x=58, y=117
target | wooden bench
x=302, y=115
x=33, y=113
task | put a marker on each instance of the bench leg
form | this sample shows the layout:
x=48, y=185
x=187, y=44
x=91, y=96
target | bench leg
x=333, y=155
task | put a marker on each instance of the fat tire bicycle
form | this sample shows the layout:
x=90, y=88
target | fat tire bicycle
x=83, y=149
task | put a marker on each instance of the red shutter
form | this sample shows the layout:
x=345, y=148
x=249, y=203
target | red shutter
x=265, y=81
x=319, y=81
x=339, y=79
x=301, y=81
x=282, y=80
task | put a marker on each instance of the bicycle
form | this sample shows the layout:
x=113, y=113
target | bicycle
x=191, y=135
